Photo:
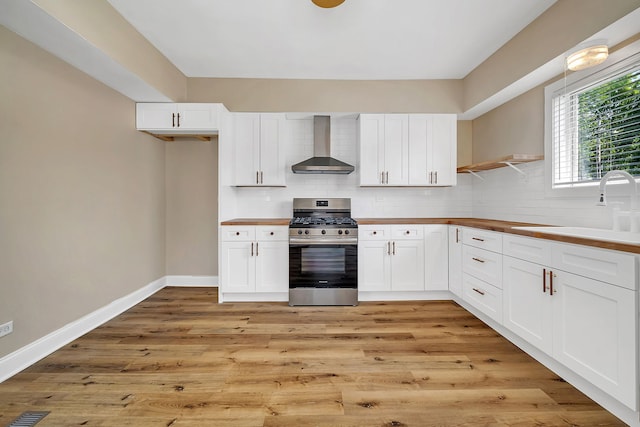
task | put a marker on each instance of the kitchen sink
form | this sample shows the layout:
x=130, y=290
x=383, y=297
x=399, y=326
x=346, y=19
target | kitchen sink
x=588, y=233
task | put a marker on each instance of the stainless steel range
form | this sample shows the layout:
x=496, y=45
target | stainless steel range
x=323, y=253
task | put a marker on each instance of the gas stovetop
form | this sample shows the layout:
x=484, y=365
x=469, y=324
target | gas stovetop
x=312, y=221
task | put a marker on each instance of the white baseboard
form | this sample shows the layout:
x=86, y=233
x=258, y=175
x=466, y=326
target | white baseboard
x=24, y=357
x=192, y=281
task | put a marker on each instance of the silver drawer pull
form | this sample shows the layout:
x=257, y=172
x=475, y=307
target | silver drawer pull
x=478, y=239
x=478, y=291
x=478, y=259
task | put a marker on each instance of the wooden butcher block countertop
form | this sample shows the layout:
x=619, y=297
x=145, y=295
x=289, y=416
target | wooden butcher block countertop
x=486, y=224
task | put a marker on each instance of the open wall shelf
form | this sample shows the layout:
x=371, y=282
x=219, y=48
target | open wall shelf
x=507, y=161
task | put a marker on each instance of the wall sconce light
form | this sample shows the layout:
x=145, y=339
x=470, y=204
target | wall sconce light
x=589, y=55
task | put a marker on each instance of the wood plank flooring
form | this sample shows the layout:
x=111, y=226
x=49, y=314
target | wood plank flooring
x=180, y=359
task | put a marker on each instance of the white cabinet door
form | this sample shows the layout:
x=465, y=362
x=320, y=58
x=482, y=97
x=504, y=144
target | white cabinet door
x=272, y=266
x=455, y=260
x=407, y=265
x=436, y=259
x=420, y=131
x=238, y=267
x=396, y=149
x=432, y=149
x=156, y=115
x=197, y=116
x=246, y=135
x=259, y=149
x=374, y=265
x=272, y=159
x=443, y=150
x=371, y=137
x=594, y=333
x=526, y=302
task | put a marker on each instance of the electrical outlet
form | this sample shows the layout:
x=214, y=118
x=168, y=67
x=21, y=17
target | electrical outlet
x=6, y=328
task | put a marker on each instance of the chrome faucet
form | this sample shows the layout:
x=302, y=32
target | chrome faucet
x=633, y=195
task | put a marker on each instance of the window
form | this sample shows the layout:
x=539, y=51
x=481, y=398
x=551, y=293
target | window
x=595, y=124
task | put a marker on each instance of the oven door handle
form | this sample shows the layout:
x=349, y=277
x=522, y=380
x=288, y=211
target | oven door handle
x=309, y=242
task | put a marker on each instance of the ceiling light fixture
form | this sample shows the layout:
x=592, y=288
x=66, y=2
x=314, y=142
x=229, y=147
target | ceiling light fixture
x=327, y=3
x=589, y=55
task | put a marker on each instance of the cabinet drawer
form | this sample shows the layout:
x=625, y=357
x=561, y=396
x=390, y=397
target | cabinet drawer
x=483, y=264
x=232, y=233
x=272, y=233
x=409, y=231
x=374, y=232
x=483, y=296
x=489, y=240
x=600, y=264
x=526, y=248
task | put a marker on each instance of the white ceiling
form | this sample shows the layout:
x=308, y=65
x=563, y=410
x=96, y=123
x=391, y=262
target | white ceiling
x=360, y=39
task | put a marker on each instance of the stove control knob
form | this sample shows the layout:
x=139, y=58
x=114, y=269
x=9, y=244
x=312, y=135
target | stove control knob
x=306, y=231
x=339, y=231
x=324, y=231
x=346, y=231
x=299, y=231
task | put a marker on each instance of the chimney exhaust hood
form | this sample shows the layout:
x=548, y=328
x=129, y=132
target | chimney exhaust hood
x=321, y=162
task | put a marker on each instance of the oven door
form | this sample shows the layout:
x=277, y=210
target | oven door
x=323, y=265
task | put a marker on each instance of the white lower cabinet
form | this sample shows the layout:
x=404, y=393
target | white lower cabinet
x=254, y=259
x=588, y=325
x=436, y=239
x=526, y=309
x=594, y=333
x=391, y=258
x=455, y=260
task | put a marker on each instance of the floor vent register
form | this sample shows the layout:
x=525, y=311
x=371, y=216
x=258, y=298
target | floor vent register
x=28, y=419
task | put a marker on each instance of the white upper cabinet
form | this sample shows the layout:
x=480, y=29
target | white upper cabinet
x=432, y=149
x=384, y=140
x=407, y=149
x=178, y=118
x=258, y=141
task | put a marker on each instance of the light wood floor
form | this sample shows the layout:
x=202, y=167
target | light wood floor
x=180, y=359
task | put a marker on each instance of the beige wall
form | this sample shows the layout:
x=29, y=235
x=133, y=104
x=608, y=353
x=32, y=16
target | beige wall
x=391, y=96
x=99, y=23
x=81, y=195
x=516, y=127
x=192, y=207
x=465, y=142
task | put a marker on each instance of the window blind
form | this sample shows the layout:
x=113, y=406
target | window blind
x=596, y=127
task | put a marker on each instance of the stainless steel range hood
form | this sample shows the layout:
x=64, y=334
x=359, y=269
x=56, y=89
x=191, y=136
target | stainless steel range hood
x=321, y=162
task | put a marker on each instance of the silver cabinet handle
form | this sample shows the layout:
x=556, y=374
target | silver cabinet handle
x=387, y=178
x=257, y=248
x=478, y=239
x=478, y=259
x=382, y=177
x=457, y=234
x=173, y=120
x=388, y=248
x=178, y=119
x=478, y=291
x=436, y=175
x=394, y=248
x=257, y=177
x=261, y=180
x=251, y=248
x=544, y=280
